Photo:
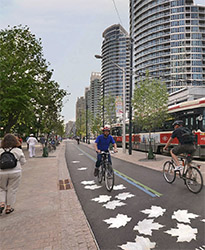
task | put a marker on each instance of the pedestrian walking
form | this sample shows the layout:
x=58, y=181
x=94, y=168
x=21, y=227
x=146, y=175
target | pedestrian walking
x=42, y=141
x=10, y=176
x=32, y=142
x=78, y=139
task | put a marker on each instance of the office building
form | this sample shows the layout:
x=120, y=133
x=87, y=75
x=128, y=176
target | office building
x=95, y=90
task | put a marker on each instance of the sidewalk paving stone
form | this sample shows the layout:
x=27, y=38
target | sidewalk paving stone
x=45, y=217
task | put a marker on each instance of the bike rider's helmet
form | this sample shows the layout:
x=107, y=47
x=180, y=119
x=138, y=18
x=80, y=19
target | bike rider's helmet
x=178, y=122
x=106, y=128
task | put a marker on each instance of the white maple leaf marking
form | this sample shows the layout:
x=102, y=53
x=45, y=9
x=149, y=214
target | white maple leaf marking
x=81, y=169
x=184, y=233
x=119, y=187
x=184, y=216
x=155, y=211
x=92, y=187
x=200, y=248
x=113, y=204
x=88, y=182
x=124, y=196
x=75, y=162
x=140, y=243
x=119, y=221
x=102, y=198
x=146, y=226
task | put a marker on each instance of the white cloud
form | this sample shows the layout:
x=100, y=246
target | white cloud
x=88, y=6
x=71, y=33
x=199, y=2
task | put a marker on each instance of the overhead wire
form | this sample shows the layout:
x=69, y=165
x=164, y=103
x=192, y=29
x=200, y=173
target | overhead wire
x=117, y=12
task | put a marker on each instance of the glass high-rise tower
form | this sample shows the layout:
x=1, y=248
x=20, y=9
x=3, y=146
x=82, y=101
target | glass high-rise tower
x=115, y=50
x=169, y=41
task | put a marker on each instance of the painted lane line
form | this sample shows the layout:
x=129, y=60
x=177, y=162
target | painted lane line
x=128, y=179
x=89, y=156
x=134, y=184
x=139, y=185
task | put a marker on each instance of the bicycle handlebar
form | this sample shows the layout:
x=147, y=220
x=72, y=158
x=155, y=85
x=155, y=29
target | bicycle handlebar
x=107, y=153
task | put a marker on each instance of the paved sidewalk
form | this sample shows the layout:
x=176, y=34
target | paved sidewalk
x=45, y=217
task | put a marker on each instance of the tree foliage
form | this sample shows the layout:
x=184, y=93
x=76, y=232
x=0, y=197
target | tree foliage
x=96, y=125
x=81, y=124
x=28, y=96
x=150, y=103
x=110, y=109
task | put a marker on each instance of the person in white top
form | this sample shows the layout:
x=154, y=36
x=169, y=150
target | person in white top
x=10, y=178
x=32, y=142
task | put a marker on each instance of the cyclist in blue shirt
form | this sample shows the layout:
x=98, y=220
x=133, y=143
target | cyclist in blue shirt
x=102, y=143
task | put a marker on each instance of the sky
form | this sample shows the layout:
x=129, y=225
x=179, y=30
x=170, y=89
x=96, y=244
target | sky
x=71, y=33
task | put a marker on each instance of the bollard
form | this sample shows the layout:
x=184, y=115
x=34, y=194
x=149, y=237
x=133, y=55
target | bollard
x=45, y=152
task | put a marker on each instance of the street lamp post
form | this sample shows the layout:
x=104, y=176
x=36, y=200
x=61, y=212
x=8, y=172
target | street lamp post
x=86, y=120
x=103, y=103
x=130, y=97
x=124, y=103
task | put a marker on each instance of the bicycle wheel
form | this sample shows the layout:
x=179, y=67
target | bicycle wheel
x=109, y=177
x=100, y=174
x=194, y=180
x=168, y=172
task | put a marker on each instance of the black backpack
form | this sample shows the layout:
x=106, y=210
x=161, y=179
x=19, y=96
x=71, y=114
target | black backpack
x=7, y=160
x=187, y=135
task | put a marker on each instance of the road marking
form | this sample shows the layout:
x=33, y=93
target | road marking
x=128, y=179
x=137, y=184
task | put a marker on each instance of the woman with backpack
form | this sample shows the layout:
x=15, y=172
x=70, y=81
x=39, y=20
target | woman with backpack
x=11, y=159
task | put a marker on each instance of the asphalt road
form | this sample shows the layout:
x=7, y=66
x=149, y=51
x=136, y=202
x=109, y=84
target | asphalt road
x=147, y=213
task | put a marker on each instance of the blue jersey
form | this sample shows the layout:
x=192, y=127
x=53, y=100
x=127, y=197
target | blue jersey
x=103, y=143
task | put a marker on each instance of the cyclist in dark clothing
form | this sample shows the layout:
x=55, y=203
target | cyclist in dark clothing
x=182, y=147
x=102, y=143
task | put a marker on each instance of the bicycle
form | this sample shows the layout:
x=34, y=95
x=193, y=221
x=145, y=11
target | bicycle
x=191, y=175
x=106, y=172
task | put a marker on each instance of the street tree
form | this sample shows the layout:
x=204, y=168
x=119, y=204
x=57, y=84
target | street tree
x=109, y=109
x=150, y=104
x=81, y=124
x=28, y=96
x=96, y=125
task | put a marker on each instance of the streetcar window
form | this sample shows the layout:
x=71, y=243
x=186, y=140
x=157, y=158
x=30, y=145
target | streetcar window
x=186, y=122
x=191, y=123
x=203, y=125
x=116, y=131
x=203, y=121
x=197, y=124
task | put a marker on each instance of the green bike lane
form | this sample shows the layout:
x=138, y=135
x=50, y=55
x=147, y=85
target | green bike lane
x=148, y=191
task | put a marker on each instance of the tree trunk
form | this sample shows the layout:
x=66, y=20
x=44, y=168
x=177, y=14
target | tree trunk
x=150, y=151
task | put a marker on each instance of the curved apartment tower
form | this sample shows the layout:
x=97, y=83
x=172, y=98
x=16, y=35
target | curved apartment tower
x=169, y=41
x=115, y=50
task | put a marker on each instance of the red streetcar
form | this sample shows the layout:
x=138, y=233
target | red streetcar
x=191, y=112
